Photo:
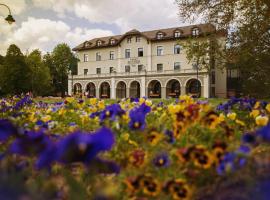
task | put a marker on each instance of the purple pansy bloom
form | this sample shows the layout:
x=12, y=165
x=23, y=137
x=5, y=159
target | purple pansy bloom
x=111, y=112
x=161, y=160
x=6, y=129
x=82, y=147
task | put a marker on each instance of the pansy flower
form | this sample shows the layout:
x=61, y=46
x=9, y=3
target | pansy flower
x=161, y=160
x=7, y=129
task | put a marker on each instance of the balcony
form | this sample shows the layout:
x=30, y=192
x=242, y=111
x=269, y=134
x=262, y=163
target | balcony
x=140, y=73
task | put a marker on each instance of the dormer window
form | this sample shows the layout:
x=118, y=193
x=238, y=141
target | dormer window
x=177, y=34
x=195, y=32
x=87, y=44
x=99, y=43
x=129, y=40
x=160, y=36
x=112, y=41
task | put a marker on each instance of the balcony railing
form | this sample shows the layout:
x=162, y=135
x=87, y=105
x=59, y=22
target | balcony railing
x=138, y=73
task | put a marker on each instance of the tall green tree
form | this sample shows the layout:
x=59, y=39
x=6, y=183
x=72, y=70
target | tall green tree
x=60, y=62
x=15, y=73
x=40, y=74
x=248, y=42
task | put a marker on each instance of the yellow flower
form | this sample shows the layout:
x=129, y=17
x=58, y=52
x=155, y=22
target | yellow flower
x=257, y=105
x=133, y=143
x=254, y=113
x=159, y=108
x=268, y=107
x=46, y=118
x=148, y=103
x=173, y=109
x=49, y=111
x=70, y=99
x=241, y=123
x=125, y=136
x=101, y=105
x=61, y=111
x=93, y=101
x=221, y=117
x=141, y=100
x=262, y=120
x=231, y=116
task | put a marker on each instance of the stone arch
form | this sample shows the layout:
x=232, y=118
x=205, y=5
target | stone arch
x=154, y=89
x=90, y=90
x=193, y=87
x=105, y=90
x=77, y=88
x=121, y=88
x=135, y=89
x=173, y=88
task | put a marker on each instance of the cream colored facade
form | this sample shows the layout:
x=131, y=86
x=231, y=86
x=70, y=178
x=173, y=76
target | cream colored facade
x=148, y=81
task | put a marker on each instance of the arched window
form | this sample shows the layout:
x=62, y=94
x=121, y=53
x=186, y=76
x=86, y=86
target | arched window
x=160, y=35
x=177, y=49
x=99, y=43
x=112, y=41
x=195, y=32
x=177, y=34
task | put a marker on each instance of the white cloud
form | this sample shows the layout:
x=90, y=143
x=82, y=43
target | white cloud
x=126, y=14
x=45, y=34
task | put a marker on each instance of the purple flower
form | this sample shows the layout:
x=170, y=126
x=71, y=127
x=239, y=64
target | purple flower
x=111, y=112
x=170, y=136
x=7, y=129
x=82, y=147
x=137, y=120
x=161, y=160
x=264, y=133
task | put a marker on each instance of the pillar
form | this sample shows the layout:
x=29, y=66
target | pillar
x=149, y=58
x=205, y=92
x=97, y=93
x=143, y=86
x=70, y=87
x=118, y=70
x=183, y=90
x=127, y=92
x=113, y=90
x=163, y=92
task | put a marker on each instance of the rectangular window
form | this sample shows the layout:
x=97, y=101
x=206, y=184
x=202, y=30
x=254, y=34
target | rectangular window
x=111, y=55
x=127, y=68
x=98, y=70
x=129, y=40
x=159, y=50
x=140, y=52
x=127, y=53
x=140, y=68
x=85, y=58
x=85, y=71
x=111, y=70
x=138, y=39
x=177, y=66
x=159, y=67
x=213, y=77
x=98, y=57
x=177, y=49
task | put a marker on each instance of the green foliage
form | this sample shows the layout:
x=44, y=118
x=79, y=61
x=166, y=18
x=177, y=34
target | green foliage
x=15, y=73
x=40, y=74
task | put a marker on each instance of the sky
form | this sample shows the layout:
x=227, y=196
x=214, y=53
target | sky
x=42, y=24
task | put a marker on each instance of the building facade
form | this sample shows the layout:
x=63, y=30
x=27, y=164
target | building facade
x=144, y=64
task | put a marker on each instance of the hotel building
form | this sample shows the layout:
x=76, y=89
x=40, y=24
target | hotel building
x=145, y=64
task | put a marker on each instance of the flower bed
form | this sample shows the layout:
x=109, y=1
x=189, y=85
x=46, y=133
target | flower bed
x=134, y=149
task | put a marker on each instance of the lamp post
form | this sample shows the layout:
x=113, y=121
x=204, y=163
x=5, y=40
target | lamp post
x=9, y=18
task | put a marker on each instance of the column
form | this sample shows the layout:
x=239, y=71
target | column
x=143, y=94
x=70, y=87
x=113, y=92
x=127, y=92
x=97, y=93
x=183, y=90
x=163, y=92
x=149, y=58
x=206, y=86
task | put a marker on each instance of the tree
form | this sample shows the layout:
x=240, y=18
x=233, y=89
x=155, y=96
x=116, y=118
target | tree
x=248, y=42
x=15, y=73
x=40, y=74
x=60, y=62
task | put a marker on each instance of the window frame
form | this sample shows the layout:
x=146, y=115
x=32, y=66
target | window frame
x=99, y=43
x=85, y=71
x=112, y=41
x=98, y=56
x=98, y=70
x=129, y=40
x=85, y=57
x=174, y=67
x=176, y=49
x=195, y=31
x=138, y=38
x=161, y=52
x=127, y=67
x=126, y=53
x=111, y=55
x=161, y=69
x=139, y=70
x=160, y=35
x=177, y=34
x=111, y=70
x=141, y=48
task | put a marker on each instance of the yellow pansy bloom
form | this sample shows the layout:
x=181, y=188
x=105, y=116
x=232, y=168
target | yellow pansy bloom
x=125, y=136
x=257, y=105
x=241, y=123
x=93, y=101
x=141, y=100
x=148, y=103
x=70, y=99
x=268, y=107
x=46, y=118
x=231, y=116
x=262, y=120
x=173, y=109
x=221, y=117
x=101, y=105
x=254, y=113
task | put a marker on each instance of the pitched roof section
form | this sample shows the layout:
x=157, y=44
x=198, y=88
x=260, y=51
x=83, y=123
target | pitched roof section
x=149, y=35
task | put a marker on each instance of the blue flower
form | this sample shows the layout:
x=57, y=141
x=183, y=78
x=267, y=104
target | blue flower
x=81, y=147
x=249, y=138
x=137, y=120
x=161, y=160
x=171, y=138
x=7, y=129
x=111, y=112
x=264, y=133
